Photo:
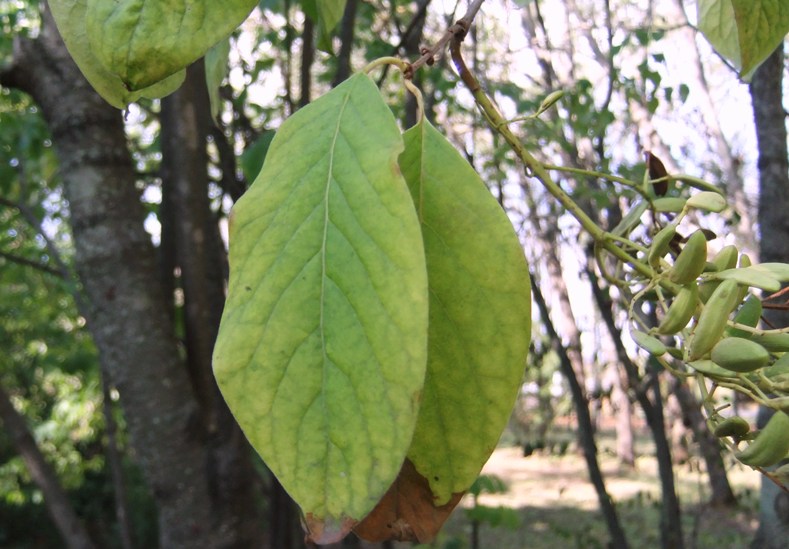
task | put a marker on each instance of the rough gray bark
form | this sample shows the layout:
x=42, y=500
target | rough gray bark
x=128, y=313
x=770, y=118
x=56, y=500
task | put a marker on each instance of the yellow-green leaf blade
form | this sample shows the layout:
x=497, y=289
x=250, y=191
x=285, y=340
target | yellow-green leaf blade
x=322, y=349
x=480, y=316
x=744, y=31
x=145, y=41
x=70, y=17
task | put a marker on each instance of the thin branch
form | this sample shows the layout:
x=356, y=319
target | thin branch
x=31, y=263
x=457, y=32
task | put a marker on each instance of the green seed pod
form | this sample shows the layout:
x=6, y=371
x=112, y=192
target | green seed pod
x=748, y=315
x=775, y=343
x=691, y=260
x=681, y=310
x=650, y=344
x=713, y=317
x=726, y=258
x=739, y=355
x=706, y=289
x=771, y=444
x=732, y=427
x=660, y=244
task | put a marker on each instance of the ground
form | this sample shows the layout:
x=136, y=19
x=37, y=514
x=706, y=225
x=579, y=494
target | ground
x=549, y=503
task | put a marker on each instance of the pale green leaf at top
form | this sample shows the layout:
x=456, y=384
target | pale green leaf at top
x=480, y=317
x=69, y=17
x=716, y=20
x=215, y=72
x=744, y=31
x=145, y=41
x=329, y=15
x=762, y=26
x=322, y=348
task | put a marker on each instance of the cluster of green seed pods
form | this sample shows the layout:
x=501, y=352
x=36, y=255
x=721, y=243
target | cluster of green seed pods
x=708, y=318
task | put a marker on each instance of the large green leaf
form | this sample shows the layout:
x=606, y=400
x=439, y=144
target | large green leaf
x=145, y=41
x=69, y=17
x=323, y=344
x=480, y=319
x=744, y=31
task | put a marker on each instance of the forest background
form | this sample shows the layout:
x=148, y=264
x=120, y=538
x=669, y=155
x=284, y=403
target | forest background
x=113, y=254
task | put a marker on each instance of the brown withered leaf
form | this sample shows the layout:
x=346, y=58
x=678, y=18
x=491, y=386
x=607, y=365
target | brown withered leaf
x=406, y=512
x=656, y=171
x=323, y=532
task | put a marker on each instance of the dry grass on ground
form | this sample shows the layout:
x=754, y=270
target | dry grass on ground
x=554, y=506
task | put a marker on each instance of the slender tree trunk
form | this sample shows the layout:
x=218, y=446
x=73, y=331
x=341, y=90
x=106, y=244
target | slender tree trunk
x=585, y=429
x=115, y=465
x=347, y=27
x=307, y=57
x=200, y=257
x=116, y=264
x=623, y=414
x=55, y=498
x=670, y=516
x=709, y=446
x=767, y=98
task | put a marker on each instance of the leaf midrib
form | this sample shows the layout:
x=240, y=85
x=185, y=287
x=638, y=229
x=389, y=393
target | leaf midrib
x=324, y=276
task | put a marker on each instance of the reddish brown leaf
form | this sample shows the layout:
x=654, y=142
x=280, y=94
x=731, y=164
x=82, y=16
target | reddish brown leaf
x=407, y=511
x=656, y=171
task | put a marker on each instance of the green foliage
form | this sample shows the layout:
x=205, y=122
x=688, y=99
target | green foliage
x=744, y=31
x=330, y=276
x=479, y=294
x=328, y=279
x=71, y=19
x=144, y=43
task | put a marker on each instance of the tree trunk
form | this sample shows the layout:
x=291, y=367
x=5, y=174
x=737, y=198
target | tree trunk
x=709, y=446
x=585, y=429
x=670, y=514
x=128, y=315
x=347, y=27
x=55, y=498
x=767, y=98
x=200, y=257
x=623, y=414
x=115, y=465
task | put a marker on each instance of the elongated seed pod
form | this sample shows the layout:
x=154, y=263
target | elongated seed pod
x=660, y=244
x=726, y=258
x=734, y=426
x=681, y=310
x=691, y=260
x=771, y=444
x=713, y=317
x=739, y=354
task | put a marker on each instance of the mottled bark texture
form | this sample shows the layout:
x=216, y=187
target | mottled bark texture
x=128, y=312
x=770, y=119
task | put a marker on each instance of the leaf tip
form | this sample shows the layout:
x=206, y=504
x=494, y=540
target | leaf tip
x=323, y=531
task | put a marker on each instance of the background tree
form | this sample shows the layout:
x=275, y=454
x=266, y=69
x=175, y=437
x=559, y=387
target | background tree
x=152, y=305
